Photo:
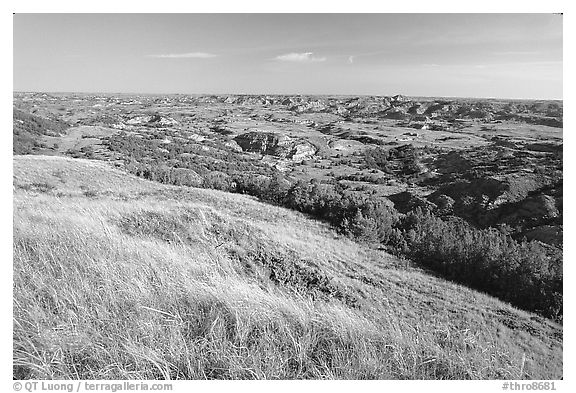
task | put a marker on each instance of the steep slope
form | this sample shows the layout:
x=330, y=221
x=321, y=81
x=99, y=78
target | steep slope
x=117, y=277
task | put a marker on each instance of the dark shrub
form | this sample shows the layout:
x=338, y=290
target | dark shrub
x=489, y=260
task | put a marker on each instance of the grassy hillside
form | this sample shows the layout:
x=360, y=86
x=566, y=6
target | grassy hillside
x=118, y=277
x=27, y=129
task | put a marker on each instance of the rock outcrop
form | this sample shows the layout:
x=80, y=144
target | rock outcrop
x=273, y=144
x=151, y=121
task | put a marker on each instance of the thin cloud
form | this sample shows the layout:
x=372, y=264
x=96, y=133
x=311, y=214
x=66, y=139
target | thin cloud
x=306, y=57
x=191, y=55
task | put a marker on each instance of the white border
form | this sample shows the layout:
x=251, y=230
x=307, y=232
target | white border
x=303, y=6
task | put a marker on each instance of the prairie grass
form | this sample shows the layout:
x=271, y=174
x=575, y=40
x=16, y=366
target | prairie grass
x=144, y=281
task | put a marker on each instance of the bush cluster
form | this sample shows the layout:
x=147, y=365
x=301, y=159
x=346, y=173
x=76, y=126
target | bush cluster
x=403, y=160
x=358, y=215
x=520, y=272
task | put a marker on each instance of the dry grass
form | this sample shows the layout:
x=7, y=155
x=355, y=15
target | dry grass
x=138, y=280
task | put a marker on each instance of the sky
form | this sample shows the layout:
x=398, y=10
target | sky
x=450, y=55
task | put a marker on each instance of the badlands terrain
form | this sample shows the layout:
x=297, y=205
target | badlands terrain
x=375, y=237
x=493, y=163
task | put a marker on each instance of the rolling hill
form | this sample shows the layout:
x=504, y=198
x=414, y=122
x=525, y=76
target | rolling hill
x=116, y=277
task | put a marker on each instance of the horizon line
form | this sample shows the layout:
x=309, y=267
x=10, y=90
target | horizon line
x=289, y=94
